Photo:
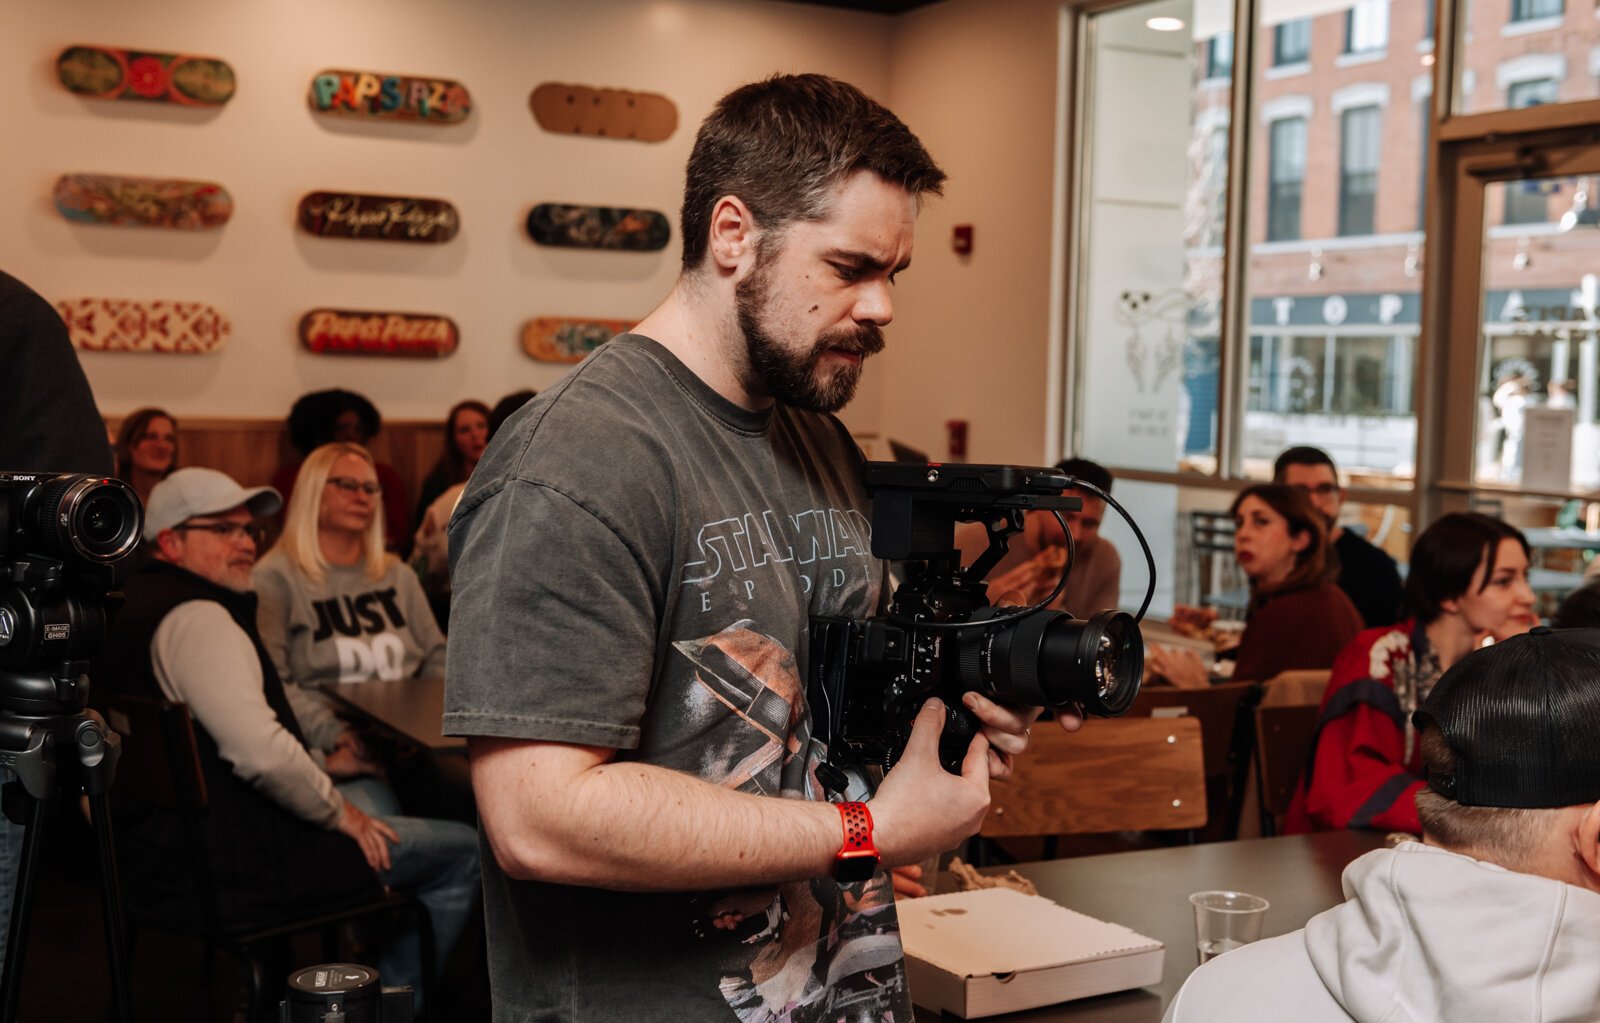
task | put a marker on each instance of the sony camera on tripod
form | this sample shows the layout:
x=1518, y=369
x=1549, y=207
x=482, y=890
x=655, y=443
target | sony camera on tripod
x=941, y=637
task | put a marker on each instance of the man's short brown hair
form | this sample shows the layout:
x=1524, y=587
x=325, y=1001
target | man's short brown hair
x=1503, y=835
x=783, y=145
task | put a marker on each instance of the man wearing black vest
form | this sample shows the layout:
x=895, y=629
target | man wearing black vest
x=279, y=835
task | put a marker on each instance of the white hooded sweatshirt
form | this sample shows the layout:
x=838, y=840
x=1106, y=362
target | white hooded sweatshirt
x=1424, y=934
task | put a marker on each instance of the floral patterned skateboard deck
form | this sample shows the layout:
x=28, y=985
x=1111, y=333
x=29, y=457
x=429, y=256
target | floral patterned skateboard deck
x=557, y=339
x=105, y=72
x=383, y=217
x=608, y=113
x=376, y=95
x=142, y=202
x=598, y=227
x=125, y=325
x=353, y=332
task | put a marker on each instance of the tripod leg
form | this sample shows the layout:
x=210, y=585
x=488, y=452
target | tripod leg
x=21, y=908
x=111, y=908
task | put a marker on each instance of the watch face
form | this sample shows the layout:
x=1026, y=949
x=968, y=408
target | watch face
x=854, y=869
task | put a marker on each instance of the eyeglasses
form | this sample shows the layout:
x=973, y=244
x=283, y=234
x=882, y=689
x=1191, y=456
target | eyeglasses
x=1320, y=490
x=229, y=531
x=355, y=486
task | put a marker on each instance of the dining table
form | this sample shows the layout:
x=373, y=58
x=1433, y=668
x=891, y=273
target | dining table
x=1148, y=890
x=411, y=709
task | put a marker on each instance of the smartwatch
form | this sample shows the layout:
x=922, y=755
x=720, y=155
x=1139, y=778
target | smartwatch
x=857, y=859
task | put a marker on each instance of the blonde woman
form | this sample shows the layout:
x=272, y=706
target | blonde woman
x=334, y=605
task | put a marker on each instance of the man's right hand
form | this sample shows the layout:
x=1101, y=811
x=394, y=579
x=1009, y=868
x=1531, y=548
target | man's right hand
x=921, y=809
x=373, y=836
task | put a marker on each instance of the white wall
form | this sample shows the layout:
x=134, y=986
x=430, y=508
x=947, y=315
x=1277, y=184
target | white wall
x=268, y=149
x=976, y=79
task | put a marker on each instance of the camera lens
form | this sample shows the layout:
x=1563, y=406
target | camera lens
x=86, y=518
x=1050, y=659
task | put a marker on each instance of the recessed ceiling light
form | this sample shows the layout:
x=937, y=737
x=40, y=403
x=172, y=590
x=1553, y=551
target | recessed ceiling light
x=1165, y=24
x=1427, y=60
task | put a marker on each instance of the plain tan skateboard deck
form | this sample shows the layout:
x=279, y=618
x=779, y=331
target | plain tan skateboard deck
x=608, y=113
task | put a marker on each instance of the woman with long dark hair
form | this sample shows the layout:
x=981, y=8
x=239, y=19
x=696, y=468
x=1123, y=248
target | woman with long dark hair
x=1468, y=582
x=466, y=434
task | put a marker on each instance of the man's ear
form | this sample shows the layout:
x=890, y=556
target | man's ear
x=733, y=234
x=169, y=546
x=1588, y=838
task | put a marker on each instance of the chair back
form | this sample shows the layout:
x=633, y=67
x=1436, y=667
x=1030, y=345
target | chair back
x=1212, y=568
x=1113, y=774
x=160, y=762
x=1283, y=746
x=1215, y=707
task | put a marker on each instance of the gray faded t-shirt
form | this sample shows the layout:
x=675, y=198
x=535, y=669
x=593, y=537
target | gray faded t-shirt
x=634, y=561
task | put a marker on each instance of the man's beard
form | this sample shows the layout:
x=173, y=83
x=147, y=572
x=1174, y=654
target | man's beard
x=792, y=377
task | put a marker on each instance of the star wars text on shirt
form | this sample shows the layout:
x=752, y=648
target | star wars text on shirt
x=821, y=547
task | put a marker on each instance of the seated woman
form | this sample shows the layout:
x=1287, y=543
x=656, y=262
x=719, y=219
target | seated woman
x=334, y=607
x=466, y=434
x=1468, y=582
x=1298, y=616
x=146, y=451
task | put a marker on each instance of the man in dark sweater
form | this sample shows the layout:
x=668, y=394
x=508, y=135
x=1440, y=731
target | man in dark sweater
x=1368, y=576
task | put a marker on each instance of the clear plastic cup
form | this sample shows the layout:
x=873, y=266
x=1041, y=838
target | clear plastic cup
x=1224, y=921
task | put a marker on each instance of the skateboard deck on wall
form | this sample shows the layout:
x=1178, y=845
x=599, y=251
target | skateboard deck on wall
x=608, y=113
x=378, y=217
x=124, y=325
x=372, y=94
x=558, y=339
x=598, y=227
x=142, y=202
x=359, y=332
x=106, y=72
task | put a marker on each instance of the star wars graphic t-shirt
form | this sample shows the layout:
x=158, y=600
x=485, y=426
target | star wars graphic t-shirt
x=634, y=562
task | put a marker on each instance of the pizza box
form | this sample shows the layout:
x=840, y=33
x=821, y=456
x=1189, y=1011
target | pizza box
x=980, y=953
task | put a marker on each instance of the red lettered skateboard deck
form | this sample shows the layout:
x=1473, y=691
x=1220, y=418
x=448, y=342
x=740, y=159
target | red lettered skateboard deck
x=124, y=325
x=358, y=332
x=107, y=72
x=609, y=113
x=382, y=217
x=389, y=97
x=598, y=227
x=142, y=202
x=558, y=339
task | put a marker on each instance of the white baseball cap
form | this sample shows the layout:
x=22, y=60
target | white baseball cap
x=196, y=491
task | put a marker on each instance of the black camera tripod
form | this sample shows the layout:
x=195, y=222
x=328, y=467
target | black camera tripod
x=53, y=744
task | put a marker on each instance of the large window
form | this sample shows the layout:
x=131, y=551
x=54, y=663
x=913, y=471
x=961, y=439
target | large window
x=1219, y=56
x=1367, y=27
x=1288, y=174
x=1528, y=202
x=1360, y=132
x=1291, y=42
x=1528, y=10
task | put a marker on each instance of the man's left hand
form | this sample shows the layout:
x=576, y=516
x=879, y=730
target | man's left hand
x=1008, y=729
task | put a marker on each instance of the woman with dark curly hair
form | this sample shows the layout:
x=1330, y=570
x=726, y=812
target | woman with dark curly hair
x=323, y=417
x=146, y=451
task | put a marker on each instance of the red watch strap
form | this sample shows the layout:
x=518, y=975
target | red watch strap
x=856, y=820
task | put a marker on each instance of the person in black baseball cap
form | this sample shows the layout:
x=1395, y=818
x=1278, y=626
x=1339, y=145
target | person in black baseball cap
x=1495, y=915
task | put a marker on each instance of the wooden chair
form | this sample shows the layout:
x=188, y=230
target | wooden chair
x=1113, y=774
x=1227, y=738
x=160, y=766
x=1283, y=746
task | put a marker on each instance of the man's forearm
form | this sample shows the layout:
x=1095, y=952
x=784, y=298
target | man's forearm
x=640, y=827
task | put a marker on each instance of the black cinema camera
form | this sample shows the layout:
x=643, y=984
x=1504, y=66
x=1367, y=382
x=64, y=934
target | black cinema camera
x=941, y=637
x=62, y=536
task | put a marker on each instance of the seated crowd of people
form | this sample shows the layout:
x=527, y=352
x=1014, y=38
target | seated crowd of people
x=246, y=638
x=306, y=809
